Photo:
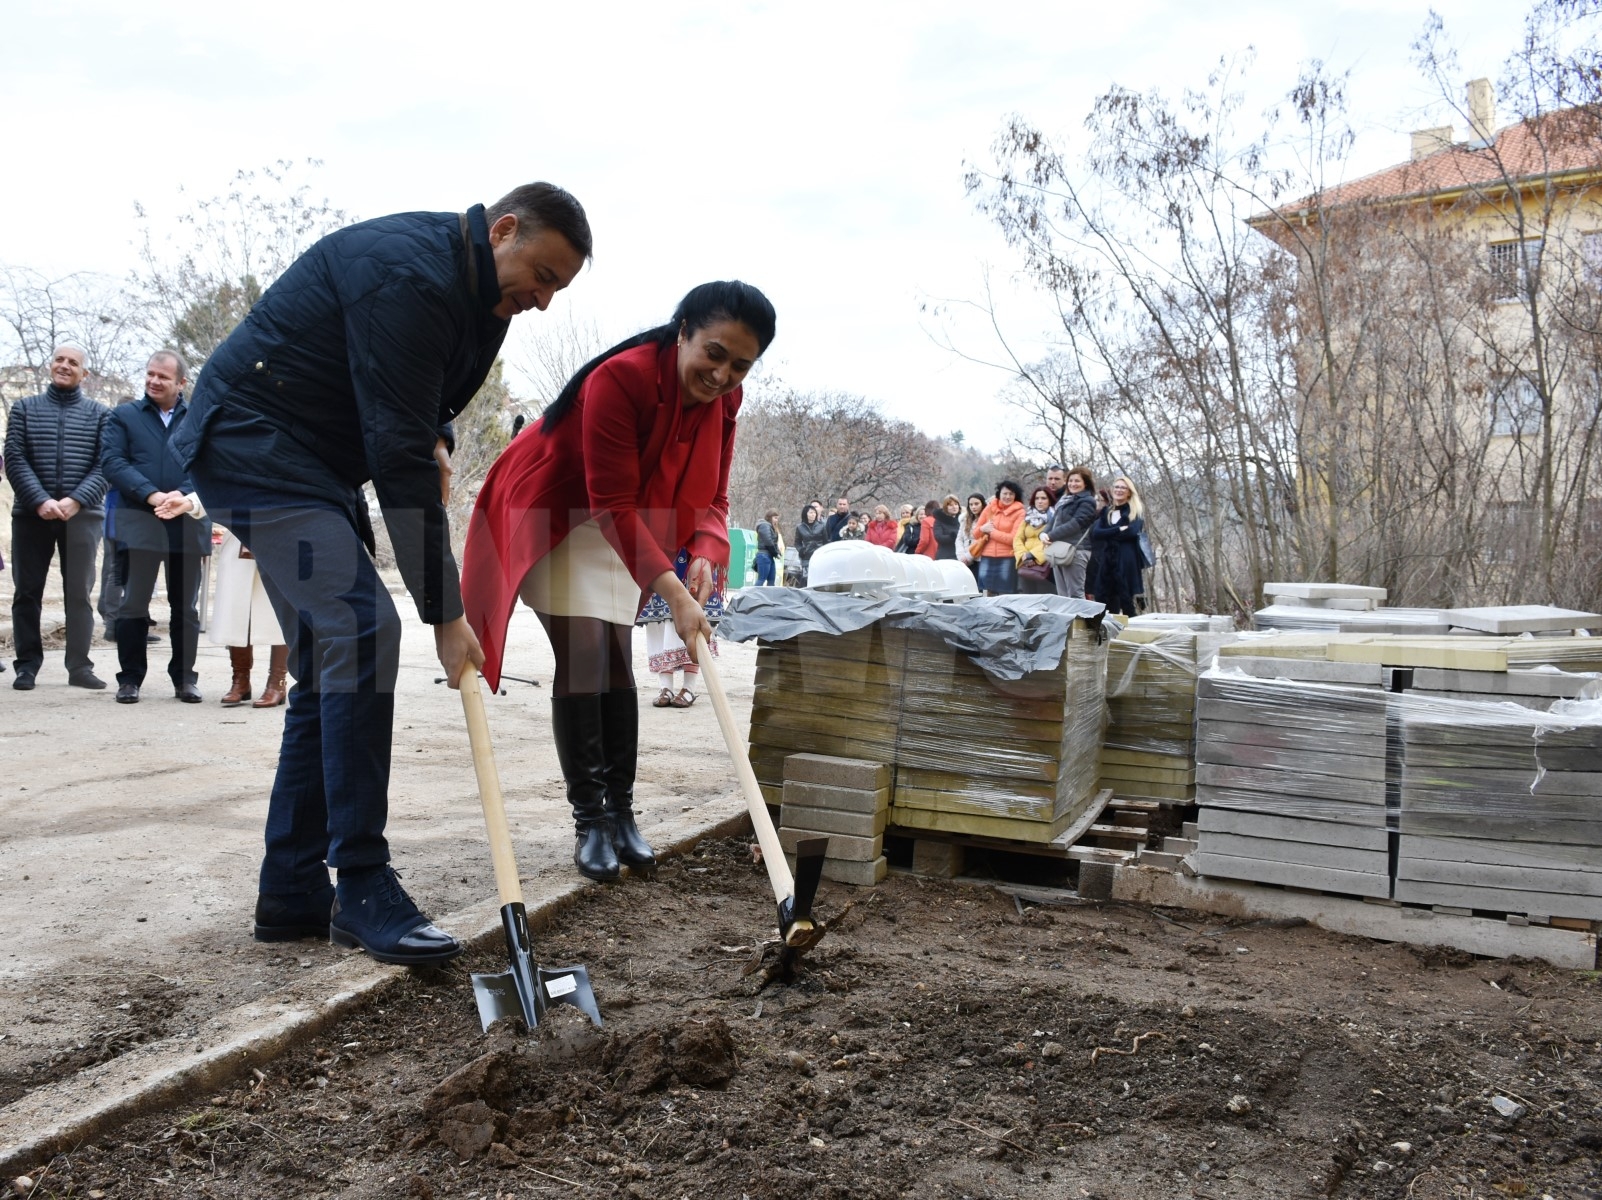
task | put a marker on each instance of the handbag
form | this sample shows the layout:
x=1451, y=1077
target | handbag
x=1060, y=554
x=1030, y=569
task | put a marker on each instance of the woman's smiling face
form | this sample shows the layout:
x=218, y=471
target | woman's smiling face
x=714, y=360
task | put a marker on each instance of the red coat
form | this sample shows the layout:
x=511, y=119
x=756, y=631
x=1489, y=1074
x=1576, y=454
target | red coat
x=654, y=473
x=883, y=533
x=926, y=542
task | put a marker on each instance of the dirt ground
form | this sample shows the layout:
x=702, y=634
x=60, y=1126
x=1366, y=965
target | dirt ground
x=946, y=1040
x=130, y=836
x=943, y=1041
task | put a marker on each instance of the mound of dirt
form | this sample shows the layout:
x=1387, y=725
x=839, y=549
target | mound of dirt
x=942, y=1041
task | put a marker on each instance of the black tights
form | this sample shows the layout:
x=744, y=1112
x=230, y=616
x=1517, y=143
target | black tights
x=592, y=655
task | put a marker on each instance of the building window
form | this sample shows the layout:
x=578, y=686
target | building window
x=1591, y=258
x=1513, y=264
x=1515, y=406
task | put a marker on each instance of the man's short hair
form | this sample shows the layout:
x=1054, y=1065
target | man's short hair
x=180, y=367
x=60, y=346
x=545, y=206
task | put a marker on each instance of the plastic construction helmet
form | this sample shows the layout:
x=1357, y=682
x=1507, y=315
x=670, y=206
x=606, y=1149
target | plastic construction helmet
x=958, y=579
x=852, y=566
x=928, y=583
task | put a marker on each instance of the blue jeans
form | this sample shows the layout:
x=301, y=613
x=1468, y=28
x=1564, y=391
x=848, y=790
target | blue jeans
x=764, y=569
x=330, y=799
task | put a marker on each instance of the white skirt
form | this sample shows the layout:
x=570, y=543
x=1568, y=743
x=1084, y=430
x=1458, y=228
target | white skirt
x=241, y=614
x=582, y=576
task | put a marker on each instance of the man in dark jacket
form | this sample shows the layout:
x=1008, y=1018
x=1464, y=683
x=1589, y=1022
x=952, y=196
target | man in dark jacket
x=768, y=553
x=838, y=518
x=52, y=459
x=161, y=525
x=349, y=369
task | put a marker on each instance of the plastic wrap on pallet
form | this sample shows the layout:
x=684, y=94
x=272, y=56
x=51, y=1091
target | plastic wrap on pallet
x=1151, y=694
x=1020, y=749
x=1007, y=636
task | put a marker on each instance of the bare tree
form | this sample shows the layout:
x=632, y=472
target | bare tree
x=552, y=350
x=201, y=277
x=796, y=446
x=38, y=313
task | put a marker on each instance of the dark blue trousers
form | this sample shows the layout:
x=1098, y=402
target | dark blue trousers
x=764, y=569
x=330, y=799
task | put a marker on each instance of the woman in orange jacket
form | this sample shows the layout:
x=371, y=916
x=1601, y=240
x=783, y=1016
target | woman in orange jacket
x=992, y=541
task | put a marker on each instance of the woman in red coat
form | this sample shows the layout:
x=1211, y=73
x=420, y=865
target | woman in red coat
x=582, y=517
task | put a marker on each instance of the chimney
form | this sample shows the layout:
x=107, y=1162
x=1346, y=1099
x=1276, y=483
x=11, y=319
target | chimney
x=1427, y=141
x=1481, y=110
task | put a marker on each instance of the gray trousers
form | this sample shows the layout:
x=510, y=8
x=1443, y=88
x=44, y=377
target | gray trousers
x=34, y=542
x=1070, y=579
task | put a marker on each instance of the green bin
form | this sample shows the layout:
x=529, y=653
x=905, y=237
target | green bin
x=742, y=557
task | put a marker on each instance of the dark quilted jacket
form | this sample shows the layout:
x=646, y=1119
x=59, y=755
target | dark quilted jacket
x=53, y=450
x=346, y=370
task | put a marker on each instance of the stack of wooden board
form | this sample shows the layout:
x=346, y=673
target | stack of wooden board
x=1501, y=809
x=832, y=694
x=1291, y=774
x=846, y=800
x=996, y=758
x=1150, y=749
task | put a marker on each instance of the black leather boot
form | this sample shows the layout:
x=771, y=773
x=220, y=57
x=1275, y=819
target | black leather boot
x=576, y=724
x=620, y=725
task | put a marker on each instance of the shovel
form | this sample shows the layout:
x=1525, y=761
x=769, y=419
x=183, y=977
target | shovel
x=525, y=989
x=798, y=931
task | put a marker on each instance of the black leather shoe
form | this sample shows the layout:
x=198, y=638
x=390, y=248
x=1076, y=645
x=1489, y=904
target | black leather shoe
x=372, y=912
x=188, y=693
x=593, y=854
x=23, y=682
x=289, y=918
x=152, y=638
x=86, y=678
x=127, y=693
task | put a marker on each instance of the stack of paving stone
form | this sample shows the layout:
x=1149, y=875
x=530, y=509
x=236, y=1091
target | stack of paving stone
x=832, y=694
x=1501, y=810
x=1011, y=759
x=1150, y=749
x=846, y=800
x=1291, y=774
x=1341, y=607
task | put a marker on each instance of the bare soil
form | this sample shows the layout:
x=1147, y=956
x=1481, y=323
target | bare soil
x=944, y=1040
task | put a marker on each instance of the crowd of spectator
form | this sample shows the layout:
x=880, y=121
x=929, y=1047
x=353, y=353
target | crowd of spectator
x=1064, y=536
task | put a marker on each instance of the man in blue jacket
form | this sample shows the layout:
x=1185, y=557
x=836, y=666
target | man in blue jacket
x=161, y=525
x=348, y=370
x=52, y=456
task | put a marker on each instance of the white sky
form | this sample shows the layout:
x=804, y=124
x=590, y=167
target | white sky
x=814, y=149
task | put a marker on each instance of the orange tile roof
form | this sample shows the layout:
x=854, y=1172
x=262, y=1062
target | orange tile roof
x=1558, y=143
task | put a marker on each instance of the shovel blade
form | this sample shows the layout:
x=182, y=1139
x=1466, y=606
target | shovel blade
x=526, y=989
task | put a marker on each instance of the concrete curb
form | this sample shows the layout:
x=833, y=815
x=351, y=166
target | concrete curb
x=65, y=1115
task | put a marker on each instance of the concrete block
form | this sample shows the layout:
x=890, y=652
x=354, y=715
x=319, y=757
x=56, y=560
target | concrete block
x=841, y=845
x=822, y=795
x=1522, y=618
x=1173, y=845
x=1325, y=591
x=1096, y=880
x=1352, y=883
x=829, y=820
x=1308, y=670
x=837, y=772
x=939, y=860
x=1157, y=858
x=859, y=874
x=1189, y=830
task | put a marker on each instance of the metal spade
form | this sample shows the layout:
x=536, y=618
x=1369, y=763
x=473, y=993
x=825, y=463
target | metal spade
x=525, y=989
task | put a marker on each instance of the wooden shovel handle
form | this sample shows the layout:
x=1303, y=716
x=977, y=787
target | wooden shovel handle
x=767, y=837
x=489, y=790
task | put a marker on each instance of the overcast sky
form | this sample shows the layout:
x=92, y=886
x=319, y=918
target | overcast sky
x=814, y=149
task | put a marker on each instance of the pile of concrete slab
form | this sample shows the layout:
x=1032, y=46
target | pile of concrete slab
x=1150, y=748
x=1341, y=608
x=846, y=800
x=1014, y=759
x=1291, y=768
x=1501, y=808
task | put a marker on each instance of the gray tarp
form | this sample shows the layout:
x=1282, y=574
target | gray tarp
x=1007, y=636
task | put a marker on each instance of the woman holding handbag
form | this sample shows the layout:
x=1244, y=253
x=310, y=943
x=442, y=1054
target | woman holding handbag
x=1028, y=551
x=1067, y=536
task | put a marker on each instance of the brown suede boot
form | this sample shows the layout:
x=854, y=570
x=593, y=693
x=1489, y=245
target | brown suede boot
x=274, y=691
x=239, y=692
